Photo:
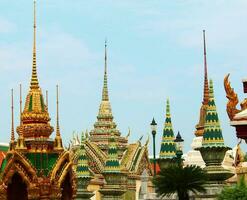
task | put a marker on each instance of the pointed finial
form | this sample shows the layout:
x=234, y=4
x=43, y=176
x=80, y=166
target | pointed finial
x=82, y=138
x=140, y=139
x=211, y=89
x=34, y=80
x=105, y=96
x=12, y=117
x=20, y=103
x=167, y=107
x=58, y=128
x=147, y=142
x=58, y=139
x=128, y=133
x=86, y=134
x=206, y=90
x=46, y=98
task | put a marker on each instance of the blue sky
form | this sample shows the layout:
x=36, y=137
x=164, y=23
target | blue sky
x=154, y=52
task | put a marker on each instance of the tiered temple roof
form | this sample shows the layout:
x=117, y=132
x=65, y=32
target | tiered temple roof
x=82, y=168
x=39, y=161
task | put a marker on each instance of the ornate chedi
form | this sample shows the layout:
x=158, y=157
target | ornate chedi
x=105, y=126
x=168, y=148
x=200, y=126
x=213, y=149
x=194, y=157
x=36, y=166
x=110, y=155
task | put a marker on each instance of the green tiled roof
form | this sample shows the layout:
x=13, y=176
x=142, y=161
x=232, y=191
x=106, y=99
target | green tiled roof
x=82, y=169
x=42, y=161
x=168, y=149
x=112, y=162
x=4, y=148
x=212, y=133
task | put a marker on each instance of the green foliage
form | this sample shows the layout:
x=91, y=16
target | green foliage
x=237, y=192
x=176, y=179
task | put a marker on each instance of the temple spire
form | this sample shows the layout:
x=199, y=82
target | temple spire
x=12, y=140
x=206, y=89
x=34, y=80
x=168, y=150
x=12, y=116
x=105, y=96
x=58, y=139
x=58, y=127
x=212, y=134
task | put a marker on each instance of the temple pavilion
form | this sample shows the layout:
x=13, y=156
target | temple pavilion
x=36, y=166
x=115, y=165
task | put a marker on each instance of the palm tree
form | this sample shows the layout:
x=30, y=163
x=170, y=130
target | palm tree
x=180, y=180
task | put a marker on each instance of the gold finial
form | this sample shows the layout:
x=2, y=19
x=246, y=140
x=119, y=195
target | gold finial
x=34, y=79
x=58, y=128
x=21, y=142
x=147, y=142
x=12, y=117
x=20, y=103
x=206, y=88
x=105, y=96
x=46, y=98
x=58, y=139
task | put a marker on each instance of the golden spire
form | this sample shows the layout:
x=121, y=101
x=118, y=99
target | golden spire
x=46, y=98
x=12, y=141
x=58, y=128
x=12, y=116
x=105, y=96
x=58, y=139
x=20, y=104
x=206, y=89
x=35, y=119
x=20, y=142
x=34, y=80
x=200, y=126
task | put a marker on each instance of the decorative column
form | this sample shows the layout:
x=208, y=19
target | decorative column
x=115, y=178
x=83, y=174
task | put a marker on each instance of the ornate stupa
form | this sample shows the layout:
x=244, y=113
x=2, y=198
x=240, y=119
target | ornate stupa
x=168, y=148
x=36, y=166
x=105, y=125
x=110, y=155
x=213, y=149
x=193, y=157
